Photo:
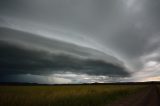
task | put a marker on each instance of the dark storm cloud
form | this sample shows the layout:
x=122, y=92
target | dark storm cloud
x=18, y=59
x=128, y=29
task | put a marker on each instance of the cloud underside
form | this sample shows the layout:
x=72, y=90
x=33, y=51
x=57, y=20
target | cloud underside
x=94, y=37
x=20, y=59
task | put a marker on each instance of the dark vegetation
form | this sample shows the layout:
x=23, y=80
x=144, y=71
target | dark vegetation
x=31, y=94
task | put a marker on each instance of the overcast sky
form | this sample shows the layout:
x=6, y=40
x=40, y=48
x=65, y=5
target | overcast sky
x=79, y=41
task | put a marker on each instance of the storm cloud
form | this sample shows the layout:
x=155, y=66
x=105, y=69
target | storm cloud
x=16, y=57
x=112, y=38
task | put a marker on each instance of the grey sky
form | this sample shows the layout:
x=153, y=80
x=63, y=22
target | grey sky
x=121, y=33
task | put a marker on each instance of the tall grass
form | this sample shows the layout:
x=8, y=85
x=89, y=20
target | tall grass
x=80, y=95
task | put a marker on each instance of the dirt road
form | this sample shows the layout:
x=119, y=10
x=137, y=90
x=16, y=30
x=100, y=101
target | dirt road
x=148, y=97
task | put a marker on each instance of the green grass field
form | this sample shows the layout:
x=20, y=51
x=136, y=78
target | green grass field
x=79, y=95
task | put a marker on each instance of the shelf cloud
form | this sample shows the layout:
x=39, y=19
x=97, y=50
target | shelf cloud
x=112, y=40
x=19, y=57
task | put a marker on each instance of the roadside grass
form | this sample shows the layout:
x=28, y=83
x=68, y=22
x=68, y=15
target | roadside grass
x=79, y=95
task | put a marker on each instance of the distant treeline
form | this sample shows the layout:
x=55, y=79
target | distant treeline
x=117, y=83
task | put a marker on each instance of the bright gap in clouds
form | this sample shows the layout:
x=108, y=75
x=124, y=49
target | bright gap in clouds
x=151, y=64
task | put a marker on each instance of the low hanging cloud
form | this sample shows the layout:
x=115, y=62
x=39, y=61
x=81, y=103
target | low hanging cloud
x=25, y=53
x=81, y=36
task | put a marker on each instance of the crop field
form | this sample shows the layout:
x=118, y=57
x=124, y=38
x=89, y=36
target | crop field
x=66, y=95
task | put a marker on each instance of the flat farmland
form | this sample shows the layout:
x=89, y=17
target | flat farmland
x=65, y=95
x=149, y=96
